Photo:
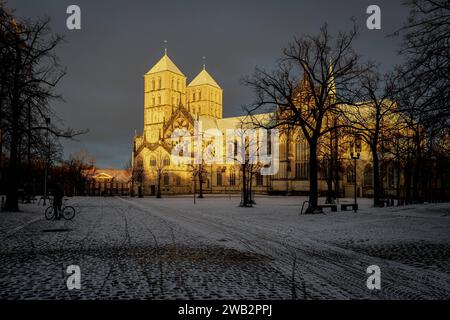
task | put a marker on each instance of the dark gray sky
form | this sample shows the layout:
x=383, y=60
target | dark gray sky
x=121, y=40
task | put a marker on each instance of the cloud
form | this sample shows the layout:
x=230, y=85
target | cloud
x=120, y=41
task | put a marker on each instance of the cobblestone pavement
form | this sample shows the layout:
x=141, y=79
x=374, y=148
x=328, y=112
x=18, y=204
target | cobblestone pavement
x=172, y=249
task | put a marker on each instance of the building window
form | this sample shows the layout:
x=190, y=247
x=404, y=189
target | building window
x=350, y=174
x=283, y=150
x=178, y=85
x=153, y=101
x=199, y=95
x=232, y=178
x=259, y=179
x=193, y=96
x=391, y=176
x=152, y=162
x=159, y=83
x=301, y=159
x=159, y=100
x=172, y=84
x=178, y=180
x=166, y=161
x=166, y=179
x=358, y=143
x=219, y=179
x=368, y=176
x=153, y=84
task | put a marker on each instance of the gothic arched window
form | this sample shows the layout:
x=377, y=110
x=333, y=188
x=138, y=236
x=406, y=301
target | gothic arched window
x=219, y=178
x=301, y=159
x=166, y=161
x=159, y=83
x=350, y=174
x=232, y=178
x=283, y=149
x=391, y=177
x=259, y=179
x=166, y=179
x=368, y=176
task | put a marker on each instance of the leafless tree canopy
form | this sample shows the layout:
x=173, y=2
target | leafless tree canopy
x=29, y=73
x=426, y=47
x=303, y=89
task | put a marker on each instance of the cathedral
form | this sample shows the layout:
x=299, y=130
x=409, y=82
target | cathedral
x=172, y=102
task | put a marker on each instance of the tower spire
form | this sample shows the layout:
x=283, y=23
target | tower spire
x=204, y=63
x=165, y=47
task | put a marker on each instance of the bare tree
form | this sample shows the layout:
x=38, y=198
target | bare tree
x=327, y=65
x=427, y=53
x=424, y=79
x=137, y=176
x=244, y=151
x=330, y=154
x=375, y=118
x=27, y=87
x=161, y=161
x=78, y=170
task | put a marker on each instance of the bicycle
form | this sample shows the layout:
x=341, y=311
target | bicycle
x=67, y=212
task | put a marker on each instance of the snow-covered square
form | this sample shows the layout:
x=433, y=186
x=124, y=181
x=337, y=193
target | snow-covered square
x=171, y=248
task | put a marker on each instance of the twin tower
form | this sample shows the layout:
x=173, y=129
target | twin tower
x=165, y=92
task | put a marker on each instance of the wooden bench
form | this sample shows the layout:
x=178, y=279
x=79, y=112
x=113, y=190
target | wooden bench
x=344, y=206
x=332, y=206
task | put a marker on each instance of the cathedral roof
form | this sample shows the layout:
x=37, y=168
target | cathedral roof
x=165, y=64
x=203, y=78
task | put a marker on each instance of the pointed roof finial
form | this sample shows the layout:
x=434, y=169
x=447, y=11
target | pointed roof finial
x=204, y=62
x=165, y=47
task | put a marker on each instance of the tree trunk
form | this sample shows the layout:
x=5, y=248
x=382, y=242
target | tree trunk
x=313, y=185
x=158, y=192
x=11, y=203
x=244, y=201
x=407, y=183
x=398, y=182
x=330, y=174
x=376, y=177
x=250, y=187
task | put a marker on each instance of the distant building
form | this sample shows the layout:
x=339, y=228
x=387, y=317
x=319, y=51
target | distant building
x=109, y=182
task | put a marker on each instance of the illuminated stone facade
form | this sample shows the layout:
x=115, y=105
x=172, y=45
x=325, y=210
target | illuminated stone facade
x=171, y=103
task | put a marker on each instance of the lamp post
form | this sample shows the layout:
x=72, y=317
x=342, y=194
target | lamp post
x=354, y=154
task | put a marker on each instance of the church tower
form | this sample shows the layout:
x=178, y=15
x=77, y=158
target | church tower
x=204, y=96
x=164, y=90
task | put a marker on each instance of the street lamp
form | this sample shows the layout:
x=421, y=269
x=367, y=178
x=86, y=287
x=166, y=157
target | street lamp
x=355, y=154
